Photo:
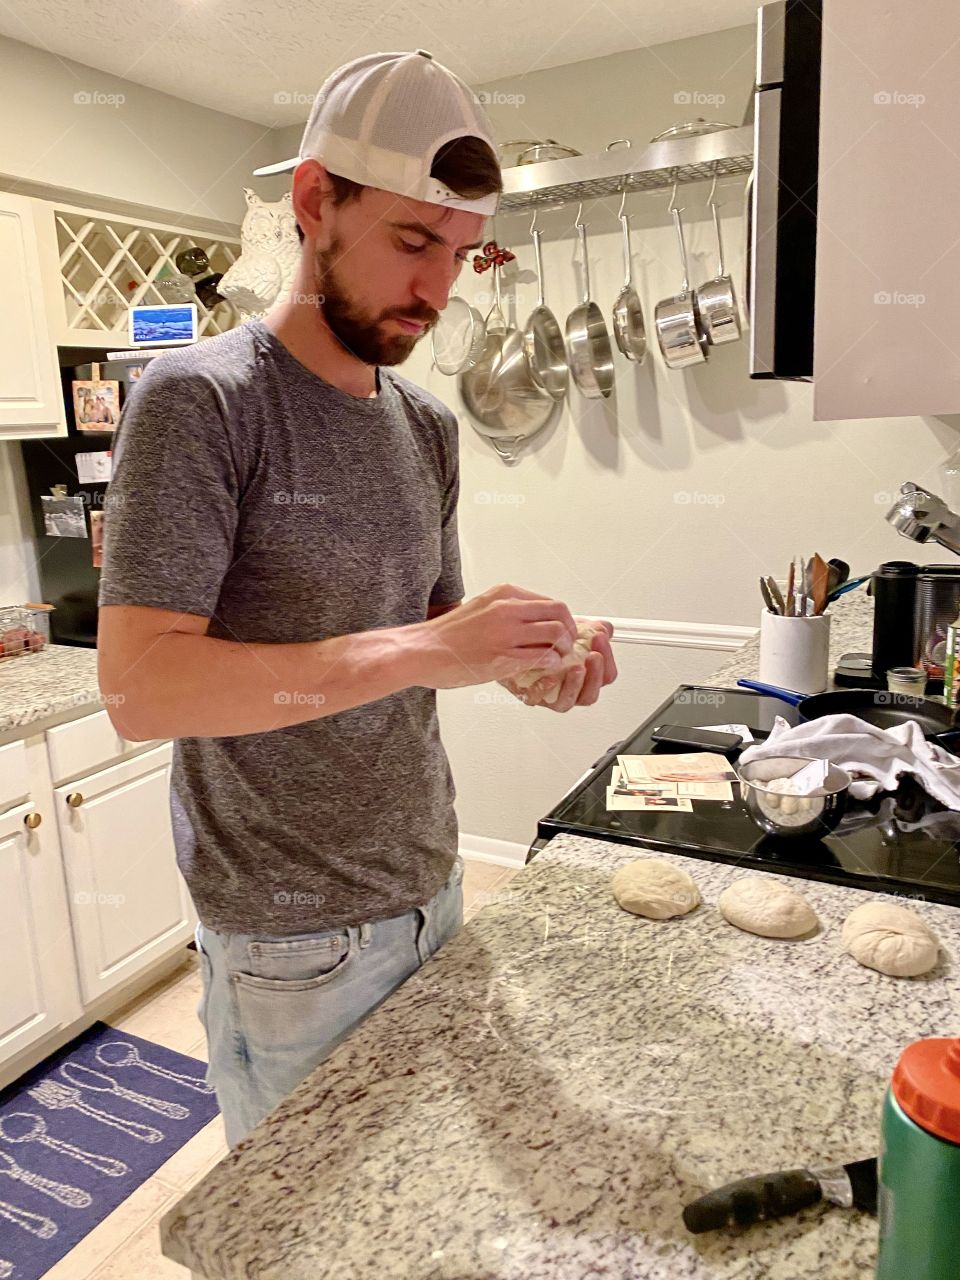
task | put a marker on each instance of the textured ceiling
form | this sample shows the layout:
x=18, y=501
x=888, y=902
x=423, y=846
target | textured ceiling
x=239, y=57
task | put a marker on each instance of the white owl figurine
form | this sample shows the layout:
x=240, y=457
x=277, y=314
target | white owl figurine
x=269, y=256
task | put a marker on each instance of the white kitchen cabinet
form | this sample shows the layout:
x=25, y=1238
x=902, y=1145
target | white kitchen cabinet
x=39, y=990
x=31, y=402
x=128, y=902
x=888, y=255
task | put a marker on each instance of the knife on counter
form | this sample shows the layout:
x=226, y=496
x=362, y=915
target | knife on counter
x=774, y=1195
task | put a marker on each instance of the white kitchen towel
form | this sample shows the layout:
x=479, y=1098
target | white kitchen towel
x=874, y=758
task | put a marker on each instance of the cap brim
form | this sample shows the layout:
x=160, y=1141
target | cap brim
x=282, y=166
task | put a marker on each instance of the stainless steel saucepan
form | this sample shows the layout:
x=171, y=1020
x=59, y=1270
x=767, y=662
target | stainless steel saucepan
x=716, y=299
x=588, y=343
x=543, y=337
x=628, y=327
x=677, y=320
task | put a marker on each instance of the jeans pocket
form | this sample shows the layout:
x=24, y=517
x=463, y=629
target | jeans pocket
x=287, y=988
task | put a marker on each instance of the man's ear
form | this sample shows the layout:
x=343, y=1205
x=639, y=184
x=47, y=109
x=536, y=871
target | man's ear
x=311, y=189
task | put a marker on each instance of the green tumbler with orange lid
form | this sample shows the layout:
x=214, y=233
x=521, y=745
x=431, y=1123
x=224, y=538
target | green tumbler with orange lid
x=919, y=1170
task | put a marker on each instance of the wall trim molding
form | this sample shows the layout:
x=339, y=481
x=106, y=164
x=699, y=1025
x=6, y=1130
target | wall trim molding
x=681, y=635
x=499, y=853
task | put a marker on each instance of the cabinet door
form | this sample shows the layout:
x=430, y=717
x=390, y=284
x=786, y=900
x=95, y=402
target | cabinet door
x=38, y=993
x=31, y=401
x=888, y=254
x=129, y=903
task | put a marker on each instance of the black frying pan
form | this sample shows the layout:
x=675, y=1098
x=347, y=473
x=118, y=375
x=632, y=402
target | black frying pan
x=939, y=723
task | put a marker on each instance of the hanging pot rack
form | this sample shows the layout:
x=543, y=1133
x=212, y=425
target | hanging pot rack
x=682, y=159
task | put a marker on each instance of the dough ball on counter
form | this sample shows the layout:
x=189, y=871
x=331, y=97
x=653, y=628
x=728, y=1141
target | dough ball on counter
x=766, y=907
x=655, y=889
x=890, y=939
x=581, y=647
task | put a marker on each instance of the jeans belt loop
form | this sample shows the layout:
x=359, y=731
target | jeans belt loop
x=364, y=935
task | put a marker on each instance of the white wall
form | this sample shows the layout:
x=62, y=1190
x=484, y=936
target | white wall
x=667, y=502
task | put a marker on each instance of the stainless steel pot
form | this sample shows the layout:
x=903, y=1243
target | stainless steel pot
x=543, y=338
x=628, y=327
x=677, y=320
x=588, y=343
x=717, y=300
x=500, y=394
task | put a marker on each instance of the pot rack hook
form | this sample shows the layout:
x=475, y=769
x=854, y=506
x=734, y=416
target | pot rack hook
x=579, y=215
x=673, y=199
x=623, y=201
x=534, y=222
x=711, y=204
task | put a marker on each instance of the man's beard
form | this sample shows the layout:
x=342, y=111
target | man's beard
x=373, y=340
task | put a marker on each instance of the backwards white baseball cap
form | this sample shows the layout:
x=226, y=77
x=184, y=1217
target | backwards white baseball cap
x=382, y=118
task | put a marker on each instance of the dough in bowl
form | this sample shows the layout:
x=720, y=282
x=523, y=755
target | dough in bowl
x=766, y=907
x=890, y=939
x=655, y=889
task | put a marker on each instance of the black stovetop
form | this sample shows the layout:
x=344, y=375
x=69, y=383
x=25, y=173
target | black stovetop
x=903, y=842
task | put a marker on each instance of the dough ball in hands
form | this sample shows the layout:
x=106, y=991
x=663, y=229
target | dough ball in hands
x=890, y=939
x=655, y=889
x=767, y=907
x=581, y=647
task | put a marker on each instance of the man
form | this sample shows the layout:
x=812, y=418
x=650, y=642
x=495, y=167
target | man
x=281, y=592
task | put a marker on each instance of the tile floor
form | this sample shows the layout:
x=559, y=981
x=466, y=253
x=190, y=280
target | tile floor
x=126, y=1245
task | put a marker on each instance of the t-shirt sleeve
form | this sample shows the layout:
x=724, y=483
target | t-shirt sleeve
x=171, y=508
x=448, y=588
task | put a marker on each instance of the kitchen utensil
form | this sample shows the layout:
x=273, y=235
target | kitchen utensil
x=62, y=1192
x=716, y=298
x=839, y=573
x=542, y=337
x=780, y=814
x=63, y=1097
x=457, y=338
x=846, y=587
x=819, y=573
x=628, y=327
x=513, y=152
x=773, y=1195
x=939, y=724
x=121, y=1053
x=98, y=1081
x=499, y=393
x=35, y=1130
x=795, y=651
x=777, y=595
x=588, y=342
x=677, y=320
x=789, y=596
x=768, y=599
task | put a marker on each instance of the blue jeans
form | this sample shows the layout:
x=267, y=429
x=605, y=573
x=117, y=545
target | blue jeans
x=274, y=1007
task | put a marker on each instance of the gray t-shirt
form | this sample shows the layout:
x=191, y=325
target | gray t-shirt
x=251, y=491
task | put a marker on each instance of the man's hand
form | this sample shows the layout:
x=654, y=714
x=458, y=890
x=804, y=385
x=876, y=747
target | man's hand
x=581, y=685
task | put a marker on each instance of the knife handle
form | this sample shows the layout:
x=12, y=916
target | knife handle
x=765, y=1195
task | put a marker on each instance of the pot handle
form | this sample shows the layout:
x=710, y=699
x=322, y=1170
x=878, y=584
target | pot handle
x=785, y=695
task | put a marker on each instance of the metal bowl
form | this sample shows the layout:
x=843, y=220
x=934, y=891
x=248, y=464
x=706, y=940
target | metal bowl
x=784, y=815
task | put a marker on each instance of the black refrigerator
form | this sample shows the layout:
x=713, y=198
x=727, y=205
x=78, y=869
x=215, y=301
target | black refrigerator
x=68, y=579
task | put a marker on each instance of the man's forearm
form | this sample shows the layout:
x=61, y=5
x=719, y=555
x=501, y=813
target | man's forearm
x=186, y=685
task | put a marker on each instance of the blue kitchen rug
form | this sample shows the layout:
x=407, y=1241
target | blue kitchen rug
x=81, y=1131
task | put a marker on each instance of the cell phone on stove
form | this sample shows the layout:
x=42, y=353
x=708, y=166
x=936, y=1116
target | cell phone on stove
x=685, y=735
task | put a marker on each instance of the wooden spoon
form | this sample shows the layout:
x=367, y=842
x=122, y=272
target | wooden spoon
x=819, y=582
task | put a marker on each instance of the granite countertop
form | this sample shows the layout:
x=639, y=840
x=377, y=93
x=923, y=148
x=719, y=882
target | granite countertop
x=541, y=1098
x=40, y=689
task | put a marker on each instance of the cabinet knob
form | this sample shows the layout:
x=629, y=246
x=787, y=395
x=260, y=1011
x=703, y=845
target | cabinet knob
x=33, y=820
x=74, y=799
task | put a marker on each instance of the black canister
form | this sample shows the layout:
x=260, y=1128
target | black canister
x=894, y=588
